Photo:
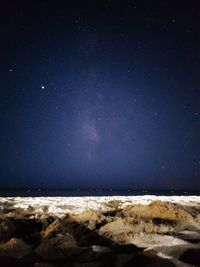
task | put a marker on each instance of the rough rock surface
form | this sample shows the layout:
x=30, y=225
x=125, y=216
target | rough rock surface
x=6, y=229
x=57, y=247
x=163, y=210
x=157, y=234
x=15, y=248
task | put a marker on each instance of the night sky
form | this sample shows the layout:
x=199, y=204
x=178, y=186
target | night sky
x=100, y=94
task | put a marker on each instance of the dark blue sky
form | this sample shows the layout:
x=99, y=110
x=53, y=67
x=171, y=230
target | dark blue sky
x=100, y=94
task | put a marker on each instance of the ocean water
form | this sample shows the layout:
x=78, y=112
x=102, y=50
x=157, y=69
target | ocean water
x=94, y=192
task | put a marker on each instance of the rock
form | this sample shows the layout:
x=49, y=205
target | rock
x=148, y=259
x=190, y=236
x=46, y=220
x=81, y=232
x=100, y=249
x=15, y=248
x=123, y=248
x=7, y=228
x=93, y=253
x=102, y=238
x=52, y=228
x=121, y=259
x=28, y=230
x=117, y=255
x=91, y=264
x=152, y=227
x=38, y=264
x=166, y=211
x=114, y=204
x=117, y=227
x=17, y=213
x=6, y=261
x=192, y=256
x=89, y=217
x=58, y=247
x=58, y=226
x=154, y=240
x=30, y=209
x=134, y=230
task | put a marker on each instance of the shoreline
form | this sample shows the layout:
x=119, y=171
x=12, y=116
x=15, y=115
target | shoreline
x=62, y=205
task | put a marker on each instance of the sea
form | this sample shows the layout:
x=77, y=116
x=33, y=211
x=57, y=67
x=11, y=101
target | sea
x=94, y=192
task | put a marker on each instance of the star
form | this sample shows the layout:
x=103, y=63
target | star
x=118, y=105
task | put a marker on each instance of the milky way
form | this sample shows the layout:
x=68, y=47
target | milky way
x=100, y=95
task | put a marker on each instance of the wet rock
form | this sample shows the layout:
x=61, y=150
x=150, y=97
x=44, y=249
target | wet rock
x=58, y=247
x=15, y=248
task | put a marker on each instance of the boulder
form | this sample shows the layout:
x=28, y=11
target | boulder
x=148, y=259
x=118, y=226
x=58, y=247
x=15, y=248
x=89, y=217
x=52, y=228
x=7, y=228
x=166, y=211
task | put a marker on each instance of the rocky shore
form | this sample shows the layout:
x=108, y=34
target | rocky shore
x=86, y=232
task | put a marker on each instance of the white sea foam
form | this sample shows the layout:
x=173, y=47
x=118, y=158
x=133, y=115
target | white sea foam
x=63, y=205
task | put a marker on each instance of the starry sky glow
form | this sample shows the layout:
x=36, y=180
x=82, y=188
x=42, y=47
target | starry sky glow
x=100, y=94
